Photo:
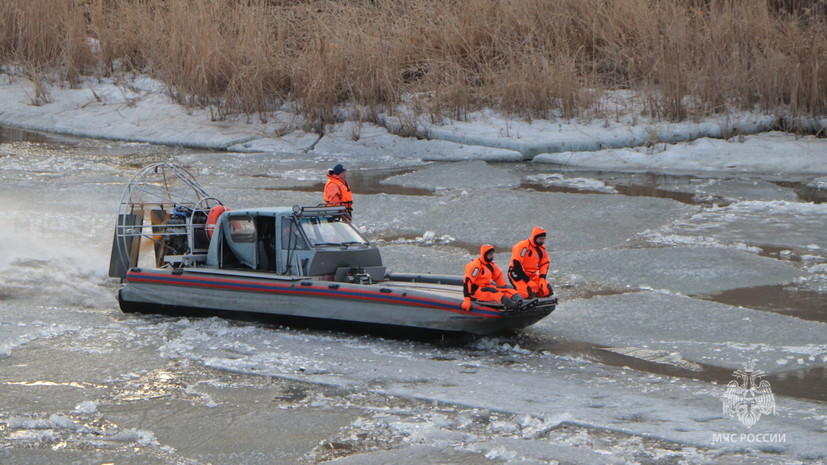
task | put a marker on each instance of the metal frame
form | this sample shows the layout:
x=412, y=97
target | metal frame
x=161, y=186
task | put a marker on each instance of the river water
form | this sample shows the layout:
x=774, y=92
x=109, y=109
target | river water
x=667, y=285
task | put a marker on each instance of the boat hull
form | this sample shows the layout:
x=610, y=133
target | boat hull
x=226, y=293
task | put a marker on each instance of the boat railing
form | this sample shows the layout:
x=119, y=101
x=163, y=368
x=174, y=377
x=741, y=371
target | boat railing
x=318, y=211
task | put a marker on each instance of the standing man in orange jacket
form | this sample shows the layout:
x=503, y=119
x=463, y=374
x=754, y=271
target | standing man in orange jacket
x=529, y=266
x=484, y=281
x=337, y=191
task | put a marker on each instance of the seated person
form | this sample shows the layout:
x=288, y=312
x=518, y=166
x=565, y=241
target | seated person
x=529, y=266
x=484, y=281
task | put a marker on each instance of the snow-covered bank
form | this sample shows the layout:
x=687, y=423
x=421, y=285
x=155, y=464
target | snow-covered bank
x=140, y=110
x=535, y=137
x=768, y=153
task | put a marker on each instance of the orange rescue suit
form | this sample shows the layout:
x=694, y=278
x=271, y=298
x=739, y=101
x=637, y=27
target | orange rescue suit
x=337, y=192
x=529, y=266
x=484, y=280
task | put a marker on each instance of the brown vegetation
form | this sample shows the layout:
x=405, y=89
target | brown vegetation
x=535, y=58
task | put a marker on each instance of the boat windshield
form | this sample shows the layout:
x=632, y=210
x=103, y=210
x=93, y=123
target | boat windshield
x=331, y=232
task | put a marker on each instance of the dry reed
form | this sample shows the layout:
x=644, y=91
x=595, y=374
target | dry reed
x=361, y=58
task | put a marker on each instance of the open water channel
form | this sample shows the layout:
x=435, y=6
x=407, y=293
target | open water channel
x=667, y=285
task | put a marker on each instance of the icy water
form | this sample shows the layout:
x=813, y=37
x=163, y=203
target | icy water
x=667, y=286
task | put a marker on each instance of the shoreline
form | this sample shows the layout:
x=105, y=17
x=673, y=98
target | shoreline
x=142, y=112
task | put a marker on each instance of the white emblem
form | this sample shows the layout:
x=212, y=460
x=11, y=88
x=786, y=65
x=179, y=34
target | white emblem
x=751, y=399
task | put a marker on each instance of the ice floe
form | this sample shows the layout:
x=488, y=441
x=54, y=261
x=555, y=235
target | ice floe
x=702, y=332
x=684, y=270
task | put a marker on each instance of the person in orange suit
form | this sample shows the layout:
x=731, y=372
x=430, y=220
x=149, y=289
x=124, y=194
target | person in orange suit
x=484, y=281
x=529, y=266
x=337, y=191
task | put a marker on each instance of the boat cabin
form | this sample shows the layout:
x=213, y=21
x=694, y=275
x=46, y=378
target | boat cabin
x=302, y=241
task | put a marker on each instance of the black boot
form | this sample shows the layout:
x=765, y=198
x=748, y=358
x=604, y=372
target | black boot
x=511, y=304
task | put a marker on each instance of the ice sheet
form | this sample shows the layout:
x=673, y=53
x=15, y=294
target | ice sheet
x=417, y=455
x=732, y=190
x=474, y=175
x=775, y=223
x=273, y=170
x=575, y=183
x=701, y=331
x=543, y=387
x=235, y=434
x=503, y=217
x=684, y=270
x=401, y=258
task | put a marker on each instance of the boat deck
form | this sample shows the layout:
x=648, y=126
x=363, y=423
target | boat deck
x=446, y=290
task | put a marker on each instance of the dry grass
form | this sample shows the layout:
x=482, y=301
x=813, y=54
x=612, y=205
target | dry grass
x=361, y=58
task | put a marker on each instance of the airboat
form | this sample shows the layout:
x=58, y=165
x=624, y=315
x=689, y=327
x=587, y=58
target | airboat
x=178, y=250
